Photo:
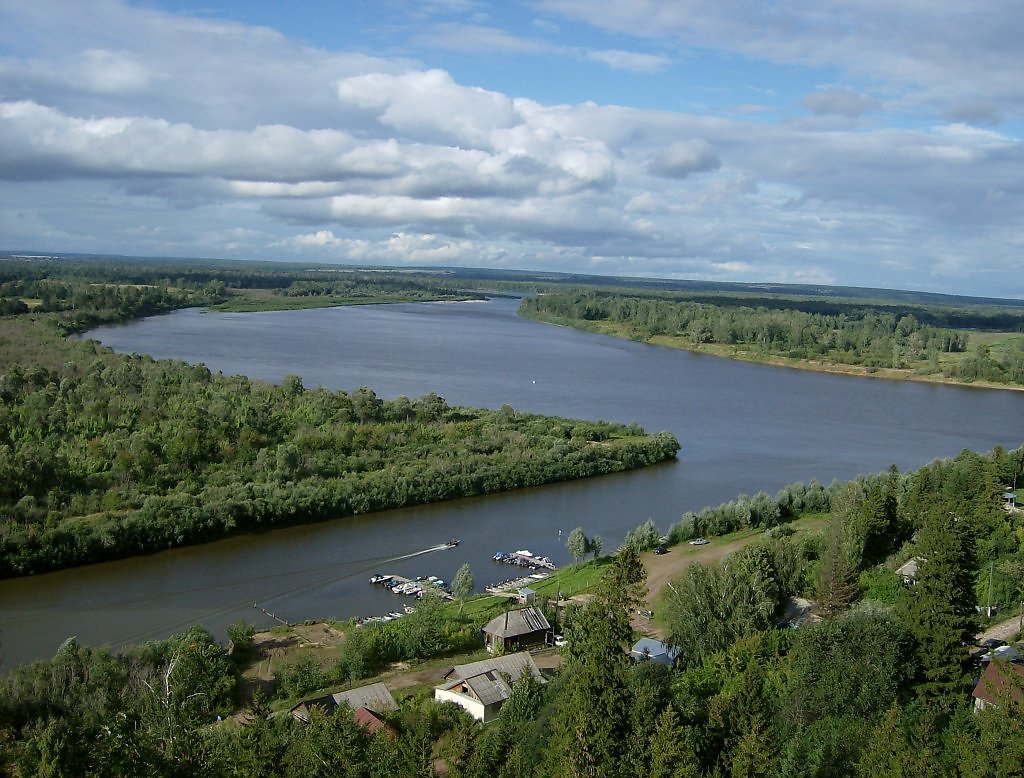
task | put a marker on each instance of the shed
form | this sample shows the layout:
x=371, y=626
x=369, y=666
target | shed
x=651, y=650
x=516, y=629
x=908, y=570
x=527, y=596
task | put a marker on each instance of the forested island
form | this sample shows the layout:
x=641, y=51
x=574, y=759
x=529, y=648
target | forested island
x=104, y=456
x=979, y=342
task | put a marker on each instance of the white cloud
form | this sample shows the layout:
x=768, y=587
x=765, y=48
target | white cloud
x=408, y=103
x=635, y=62
x=683, y=158
x=945, y=52
x=110, y=138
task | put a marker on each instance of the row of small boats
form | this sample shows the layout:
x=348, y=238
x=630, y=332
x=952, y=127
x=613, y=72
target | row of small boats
x=524, y=558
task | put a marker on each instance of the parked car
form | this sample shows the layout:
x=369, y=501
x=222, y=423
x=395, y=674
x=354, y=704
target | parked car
x=698, y=542
x=660, y=550
x=561, y=641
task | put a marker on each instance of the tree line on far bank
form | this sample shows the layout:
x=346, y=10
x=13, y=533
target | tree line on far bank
x=842, y=332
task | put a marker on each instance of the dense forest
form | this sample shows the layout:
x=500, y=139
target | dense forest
x=104, y=456
x=874, y=335
x=877, y=680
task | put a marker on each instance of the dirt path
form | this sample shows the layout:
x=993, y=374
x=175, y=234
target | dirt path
x=1004, y=630
x=664, y=567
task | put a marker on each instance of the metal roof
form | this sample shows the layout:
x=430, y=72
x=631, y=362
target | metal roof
x=517, y=622
x=513, y=665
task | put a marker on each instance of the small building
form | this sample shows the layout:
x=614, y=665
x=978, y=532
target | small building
x=481, y=688
x=1001, y=682
x=651, y=650
x=908, y=570
x=1010, y=501
x=517, y=629
x=374, y=697
x=527, y=596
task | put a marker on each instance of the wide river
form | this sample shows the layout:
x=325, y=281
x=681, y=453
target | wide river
x=742, y=427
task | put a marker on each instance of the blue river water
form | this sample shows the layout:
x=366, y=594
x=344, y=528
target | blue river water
x=742, y=427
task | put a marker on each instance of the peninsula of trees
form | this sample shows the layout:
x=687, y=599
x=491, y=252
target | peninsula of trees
x=105, y=456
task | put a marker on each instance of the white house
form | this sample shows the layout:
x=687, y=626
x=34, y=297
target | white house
x=481, y=688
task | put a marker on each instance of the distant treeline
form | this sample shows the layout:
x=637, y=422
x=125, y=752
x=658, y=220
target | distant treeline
x=84, y=293
x=851, y=333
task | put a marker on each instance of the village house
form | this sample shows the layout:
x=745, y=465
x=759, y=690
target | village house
x=1001, y=682
x=908, y=571
x=481, y=688
x=366, y=703
x=517, y=629
x=651, y=650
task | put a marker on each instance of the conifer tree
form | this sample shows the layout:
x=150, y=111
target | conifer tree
x=939, y=609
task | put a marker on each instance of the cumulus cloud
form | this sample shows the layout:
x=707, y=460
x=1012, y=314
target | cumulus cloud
x=110, y=138
x=408, y=103
x=684, y=158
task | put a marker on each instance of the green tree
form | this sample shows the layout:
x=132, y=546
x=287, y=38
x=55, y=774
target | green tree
x=462, y=585
x=837, y=582
x=939, y=609
x=577, y=544
x=593, y=717
x=710, y=606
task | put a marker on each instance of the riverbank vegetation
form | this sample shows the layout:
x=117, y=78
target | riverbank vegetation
x=964, y=342
x=870, y=678
x=105, y=456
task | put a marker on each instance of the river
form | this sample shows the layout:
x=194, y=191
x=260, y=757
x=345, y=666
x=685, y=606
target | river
x=742, y=428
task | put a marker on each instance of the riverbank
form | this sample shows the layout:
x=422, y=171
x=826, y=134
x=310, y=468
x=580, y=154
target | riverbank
x=739, y=354
x=817, y=366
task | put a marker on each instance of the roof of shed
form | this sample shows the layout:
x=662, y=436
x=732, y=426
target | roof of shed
x=518, y=622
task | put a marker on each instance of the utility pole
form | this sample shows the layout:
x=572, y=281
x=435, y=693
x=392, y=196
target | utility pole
x=991, y=569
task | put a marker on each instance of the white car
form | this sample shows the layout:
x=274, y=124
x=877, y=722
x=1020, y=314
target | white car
x=698, y=542
x=561, y=641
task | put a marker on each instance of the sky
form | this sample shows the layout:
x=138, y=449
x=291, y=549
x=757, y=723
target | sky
x=861, y=143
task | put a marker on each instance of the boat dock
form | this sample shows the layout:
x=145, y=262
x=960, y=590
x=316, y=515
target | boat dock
x=511, y=587
x=413, y=587
x=524, y=558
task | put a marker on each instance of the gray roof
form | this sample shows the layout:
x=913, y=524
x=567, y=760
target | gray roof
x=909, y=569
x=654, y=650
x=513, y=665
x=518, y=622
x=375, y=696
x=489, y=687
